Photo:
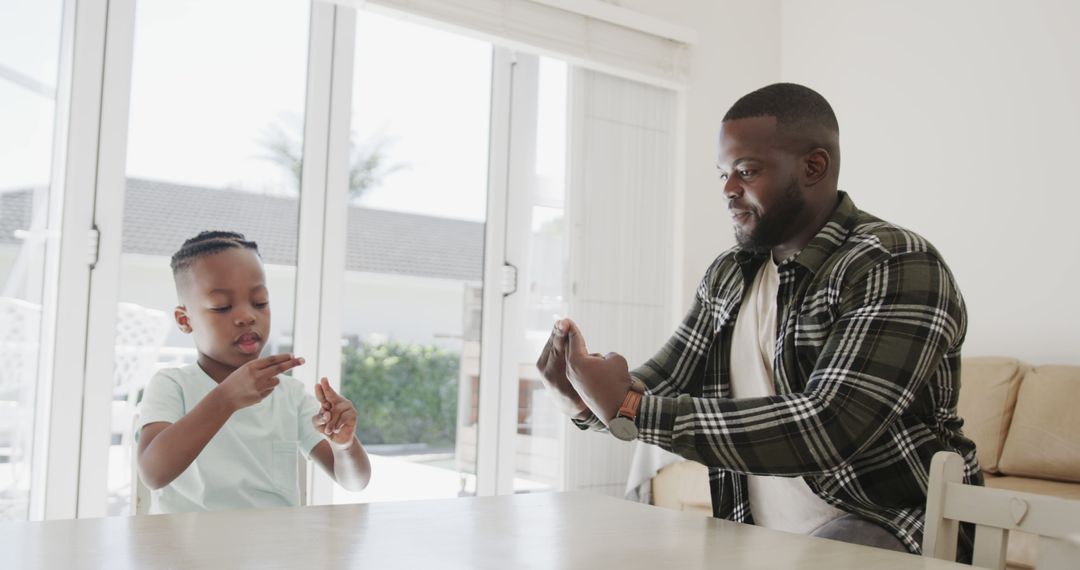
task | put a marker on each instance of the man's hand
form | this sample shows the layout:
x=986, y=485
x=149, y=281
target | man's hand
x=252, y=382
x=602, y=381
x=337, y=416
x=552, y=367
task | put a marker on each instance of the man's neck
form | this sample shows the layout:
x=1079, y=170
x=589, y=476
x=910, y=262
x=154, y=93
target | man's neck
x=811, y=224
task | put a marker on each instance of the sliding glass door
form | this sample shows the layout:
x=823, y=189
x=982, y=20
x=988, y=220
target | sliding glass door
x=415, y=208
x=30, y=105
x=406, y=186
x=214, y=141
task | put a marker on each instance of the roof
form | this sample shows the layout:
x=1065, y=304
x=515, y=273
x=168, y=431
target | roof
x=159, y=216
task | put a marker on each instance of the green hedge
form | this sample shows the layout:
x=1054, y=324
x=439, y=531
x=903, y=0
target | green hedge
x=403, y=393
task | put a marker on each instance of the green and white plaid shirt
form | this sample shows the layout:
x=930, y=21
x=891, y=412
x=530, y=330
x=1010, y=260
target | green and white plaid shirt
x=867, y=373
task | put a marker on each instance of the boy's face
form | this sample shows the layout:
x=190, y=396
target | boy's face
x=226, y=306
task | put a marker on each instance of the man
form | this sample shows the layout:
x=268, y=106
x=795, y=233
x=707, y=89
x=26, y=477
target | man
x=818, y=369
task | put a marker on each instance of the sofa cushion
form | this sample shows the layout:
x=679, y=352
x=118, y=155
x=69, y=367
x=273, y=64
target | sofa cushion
x=1044, y=437
x=1024, y=547
x=683, y=486
x=987, y=395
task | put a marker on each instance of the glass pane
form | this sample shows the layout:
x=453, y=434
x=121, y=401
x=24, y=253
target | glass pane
x=214, y=142
x=411, y=314
x=538, y=461
x=29, y=61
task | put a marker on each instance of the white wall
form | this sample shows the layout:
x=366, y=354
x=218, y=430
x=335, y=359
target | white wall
x=960, y=120
x=737, y=51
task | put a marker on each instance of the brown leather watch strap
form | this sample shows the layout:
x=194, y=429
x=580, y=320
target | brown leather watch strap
x=630, y=405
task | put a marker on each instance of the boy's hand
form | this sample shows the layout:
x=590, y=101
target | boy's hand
x=337, y=417
x=252, y=382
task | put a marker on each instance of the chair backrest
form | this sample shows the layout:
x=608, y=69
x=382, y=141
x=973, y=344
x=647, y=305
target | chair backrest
x=20, y=322
x=140, y=334
x=140, y=493
x=995, y=512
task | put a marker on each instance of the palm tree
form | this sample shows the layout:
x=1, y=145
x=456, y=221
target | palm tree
x=368, y=162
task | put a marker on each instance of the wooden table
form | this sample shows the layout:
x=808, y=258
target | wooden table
x=548, y=530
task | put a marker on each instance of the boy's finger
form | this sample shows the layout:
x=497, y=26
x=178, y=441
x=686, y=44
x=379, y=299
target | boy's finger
x=328, y=390
x=281, y=367
x=268, y=361
x=319, y=395
x=348, y=421
x=336, y=413
x=348, y=417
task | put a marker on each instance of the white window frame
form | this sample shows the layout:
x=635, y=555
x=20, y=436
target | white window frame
x=61, y=389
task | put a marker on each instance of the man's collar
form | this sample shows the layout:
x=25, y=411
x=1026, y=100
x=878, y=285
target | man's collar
x=822, y=245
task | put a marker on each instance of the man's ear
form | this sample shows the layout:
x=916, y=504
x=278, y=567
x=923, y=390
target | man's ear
x=815, y=167
x=183, y=322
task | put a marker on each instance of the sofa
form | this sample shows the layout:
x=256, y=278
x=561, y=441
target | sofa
x=1025, y=422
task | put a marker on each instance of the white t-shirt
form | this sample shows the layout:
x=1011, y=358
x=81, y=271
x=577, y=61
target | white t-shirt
x=780, y=503
x=251, y=462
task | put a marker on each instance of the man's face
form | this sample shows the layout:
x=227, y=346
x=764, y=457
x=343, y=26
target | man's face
x=759, y=182
x=227, y=306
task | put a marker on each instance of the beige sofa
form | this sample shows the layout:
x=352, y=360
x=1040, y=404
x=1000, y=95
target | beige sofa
x=1025, y=421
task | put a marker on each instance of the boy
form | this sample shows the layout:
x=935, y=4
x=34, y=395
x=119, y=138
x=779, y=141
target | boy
x=223, y=433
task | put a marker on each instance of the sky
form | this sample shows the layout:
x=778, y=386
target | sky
x=207, y=85
x=29, y=56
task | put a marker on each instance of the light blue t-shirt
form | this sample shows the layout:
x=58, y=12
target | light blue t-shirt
x=251, y=462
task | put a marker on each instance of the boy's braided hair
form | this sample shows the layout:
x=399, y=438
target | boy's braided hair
x=208, y=243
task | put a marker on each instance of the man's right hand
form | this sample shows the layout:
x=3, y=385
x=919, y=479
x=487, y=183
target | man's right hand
x=552, y=367
x=252, y=382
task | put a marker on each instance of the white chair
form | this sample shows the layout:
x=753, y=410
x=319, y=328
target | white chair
x=20, y=324
x=140, y=493
x=140, y=334
x=995, y=512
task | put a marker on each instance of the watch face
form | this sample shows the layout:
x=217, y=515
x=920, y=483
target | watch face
x=623, y=428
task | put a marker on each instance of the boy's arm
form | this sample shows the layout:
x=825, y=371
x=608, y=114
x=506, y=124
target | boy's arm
x=341, y=455
x=166, y=449
x=348, y=464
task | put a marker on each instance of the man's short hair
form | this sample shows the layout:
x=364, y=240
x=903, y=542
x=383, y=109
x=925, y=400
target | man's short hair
x=790, y=103
x=208, y=243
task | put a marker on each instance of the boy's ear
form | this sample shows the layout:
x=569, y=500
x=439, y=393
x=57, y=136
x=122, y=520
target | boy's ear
x=182, y=320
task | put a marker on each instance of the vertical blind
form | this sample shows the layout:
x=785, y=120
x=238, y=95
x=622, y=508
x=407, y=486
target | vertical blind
x=621, y=236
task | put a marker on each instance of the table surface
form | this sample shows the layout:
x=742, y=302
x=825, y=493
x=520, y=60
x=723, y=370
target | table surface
x=543, y=530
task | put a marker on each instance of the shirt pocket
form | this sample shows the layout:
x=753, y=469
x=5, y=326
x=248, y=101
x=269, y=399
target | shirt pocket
x=283, y=467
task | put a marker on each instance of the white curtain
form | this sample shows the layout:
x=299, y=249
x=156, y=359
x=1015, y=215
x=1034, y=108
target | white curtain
x=655, y=52
x=622, y=165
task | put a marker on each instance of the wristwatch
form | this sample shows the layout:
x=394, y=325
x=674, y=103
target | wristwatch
x=622, y=426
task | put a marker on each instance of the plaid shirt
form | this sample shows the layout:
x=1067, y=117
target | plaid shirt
x=867, y=374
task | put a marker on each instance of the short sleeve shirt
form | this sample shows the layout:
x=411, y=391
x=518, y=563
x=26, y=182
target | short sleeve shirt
x=251, y=462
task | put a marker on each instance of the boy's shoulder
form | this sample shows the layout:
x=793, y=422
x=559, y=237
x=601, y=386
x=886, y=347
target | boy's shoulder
x=179, y=374
x=292, y=385
x=191, y=376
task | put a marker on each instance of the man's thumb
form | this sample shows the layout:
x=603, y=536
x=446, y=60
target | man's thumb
x=576, y=343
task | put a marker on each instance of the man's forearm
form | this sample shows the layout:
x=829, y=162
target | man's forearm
x=352, y=468
x=176, y=447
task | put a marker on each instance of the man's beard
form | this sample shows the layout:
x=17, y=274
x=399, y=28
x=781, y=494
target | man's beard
x=770, y=229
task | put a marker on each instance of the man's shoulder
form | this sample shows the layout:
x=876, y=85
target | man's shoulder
x=726, y=262
x=722, y=269
x=872, y=241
